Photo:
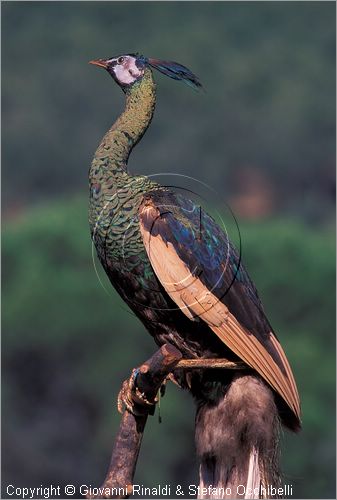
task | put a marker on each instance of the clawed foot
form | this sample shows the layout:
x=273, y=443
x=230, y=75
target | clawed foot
x=130, y=398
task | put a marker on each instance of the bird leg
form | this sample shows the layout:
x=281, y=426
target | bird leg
x=130, y=398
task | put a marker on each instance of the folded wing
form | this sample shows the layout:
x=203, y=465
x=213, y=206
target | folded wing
x=201, y=272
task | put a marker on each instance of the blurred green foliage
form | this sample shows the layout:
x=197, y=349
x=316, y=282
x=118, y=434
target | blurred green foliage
x=268, y=69
x=269, y=73
x=67, y=346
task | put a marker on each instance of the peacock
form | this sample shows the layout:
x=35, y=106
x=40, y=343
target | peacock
x=192, y=292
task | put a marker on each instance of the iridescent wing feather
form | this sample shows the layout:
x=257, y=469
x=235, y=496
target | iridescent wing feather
x=201, y=271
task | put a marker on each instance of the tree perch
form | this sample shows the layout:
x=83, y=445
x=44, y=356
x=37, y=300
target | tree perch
x=147, y=381
x=151, y=375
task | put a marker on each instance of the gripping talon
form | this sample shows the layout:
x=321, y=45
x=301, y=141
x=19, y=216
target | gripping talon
x=123, y=398
x=131, y=399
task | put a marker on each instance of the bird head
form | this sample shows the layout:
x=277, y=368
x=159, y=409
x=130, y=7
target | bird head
x=130, y=68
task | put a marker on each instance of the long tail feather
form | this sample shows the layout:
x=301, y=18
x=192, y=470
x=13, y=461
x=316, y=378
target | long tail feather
x=254, y=483
x=237, y=441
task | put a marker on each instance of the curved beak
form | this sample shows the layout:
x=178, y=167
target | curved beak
x=99, y=62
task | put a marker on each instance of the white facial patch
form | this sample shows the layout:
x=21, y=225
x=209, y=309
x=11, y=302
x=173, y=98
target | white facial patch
x=127, y=72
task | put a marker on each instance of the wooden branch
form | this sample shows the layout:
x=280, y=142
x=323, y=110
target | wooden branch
x=147, y=381
x=211, y=363
x=150, y=376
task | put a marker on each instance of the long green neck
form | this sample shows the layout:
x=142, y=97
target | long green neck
x=113, y=153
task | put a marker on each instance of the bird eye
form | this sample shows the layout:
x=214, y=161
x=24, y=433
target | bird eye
x=120, y=60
